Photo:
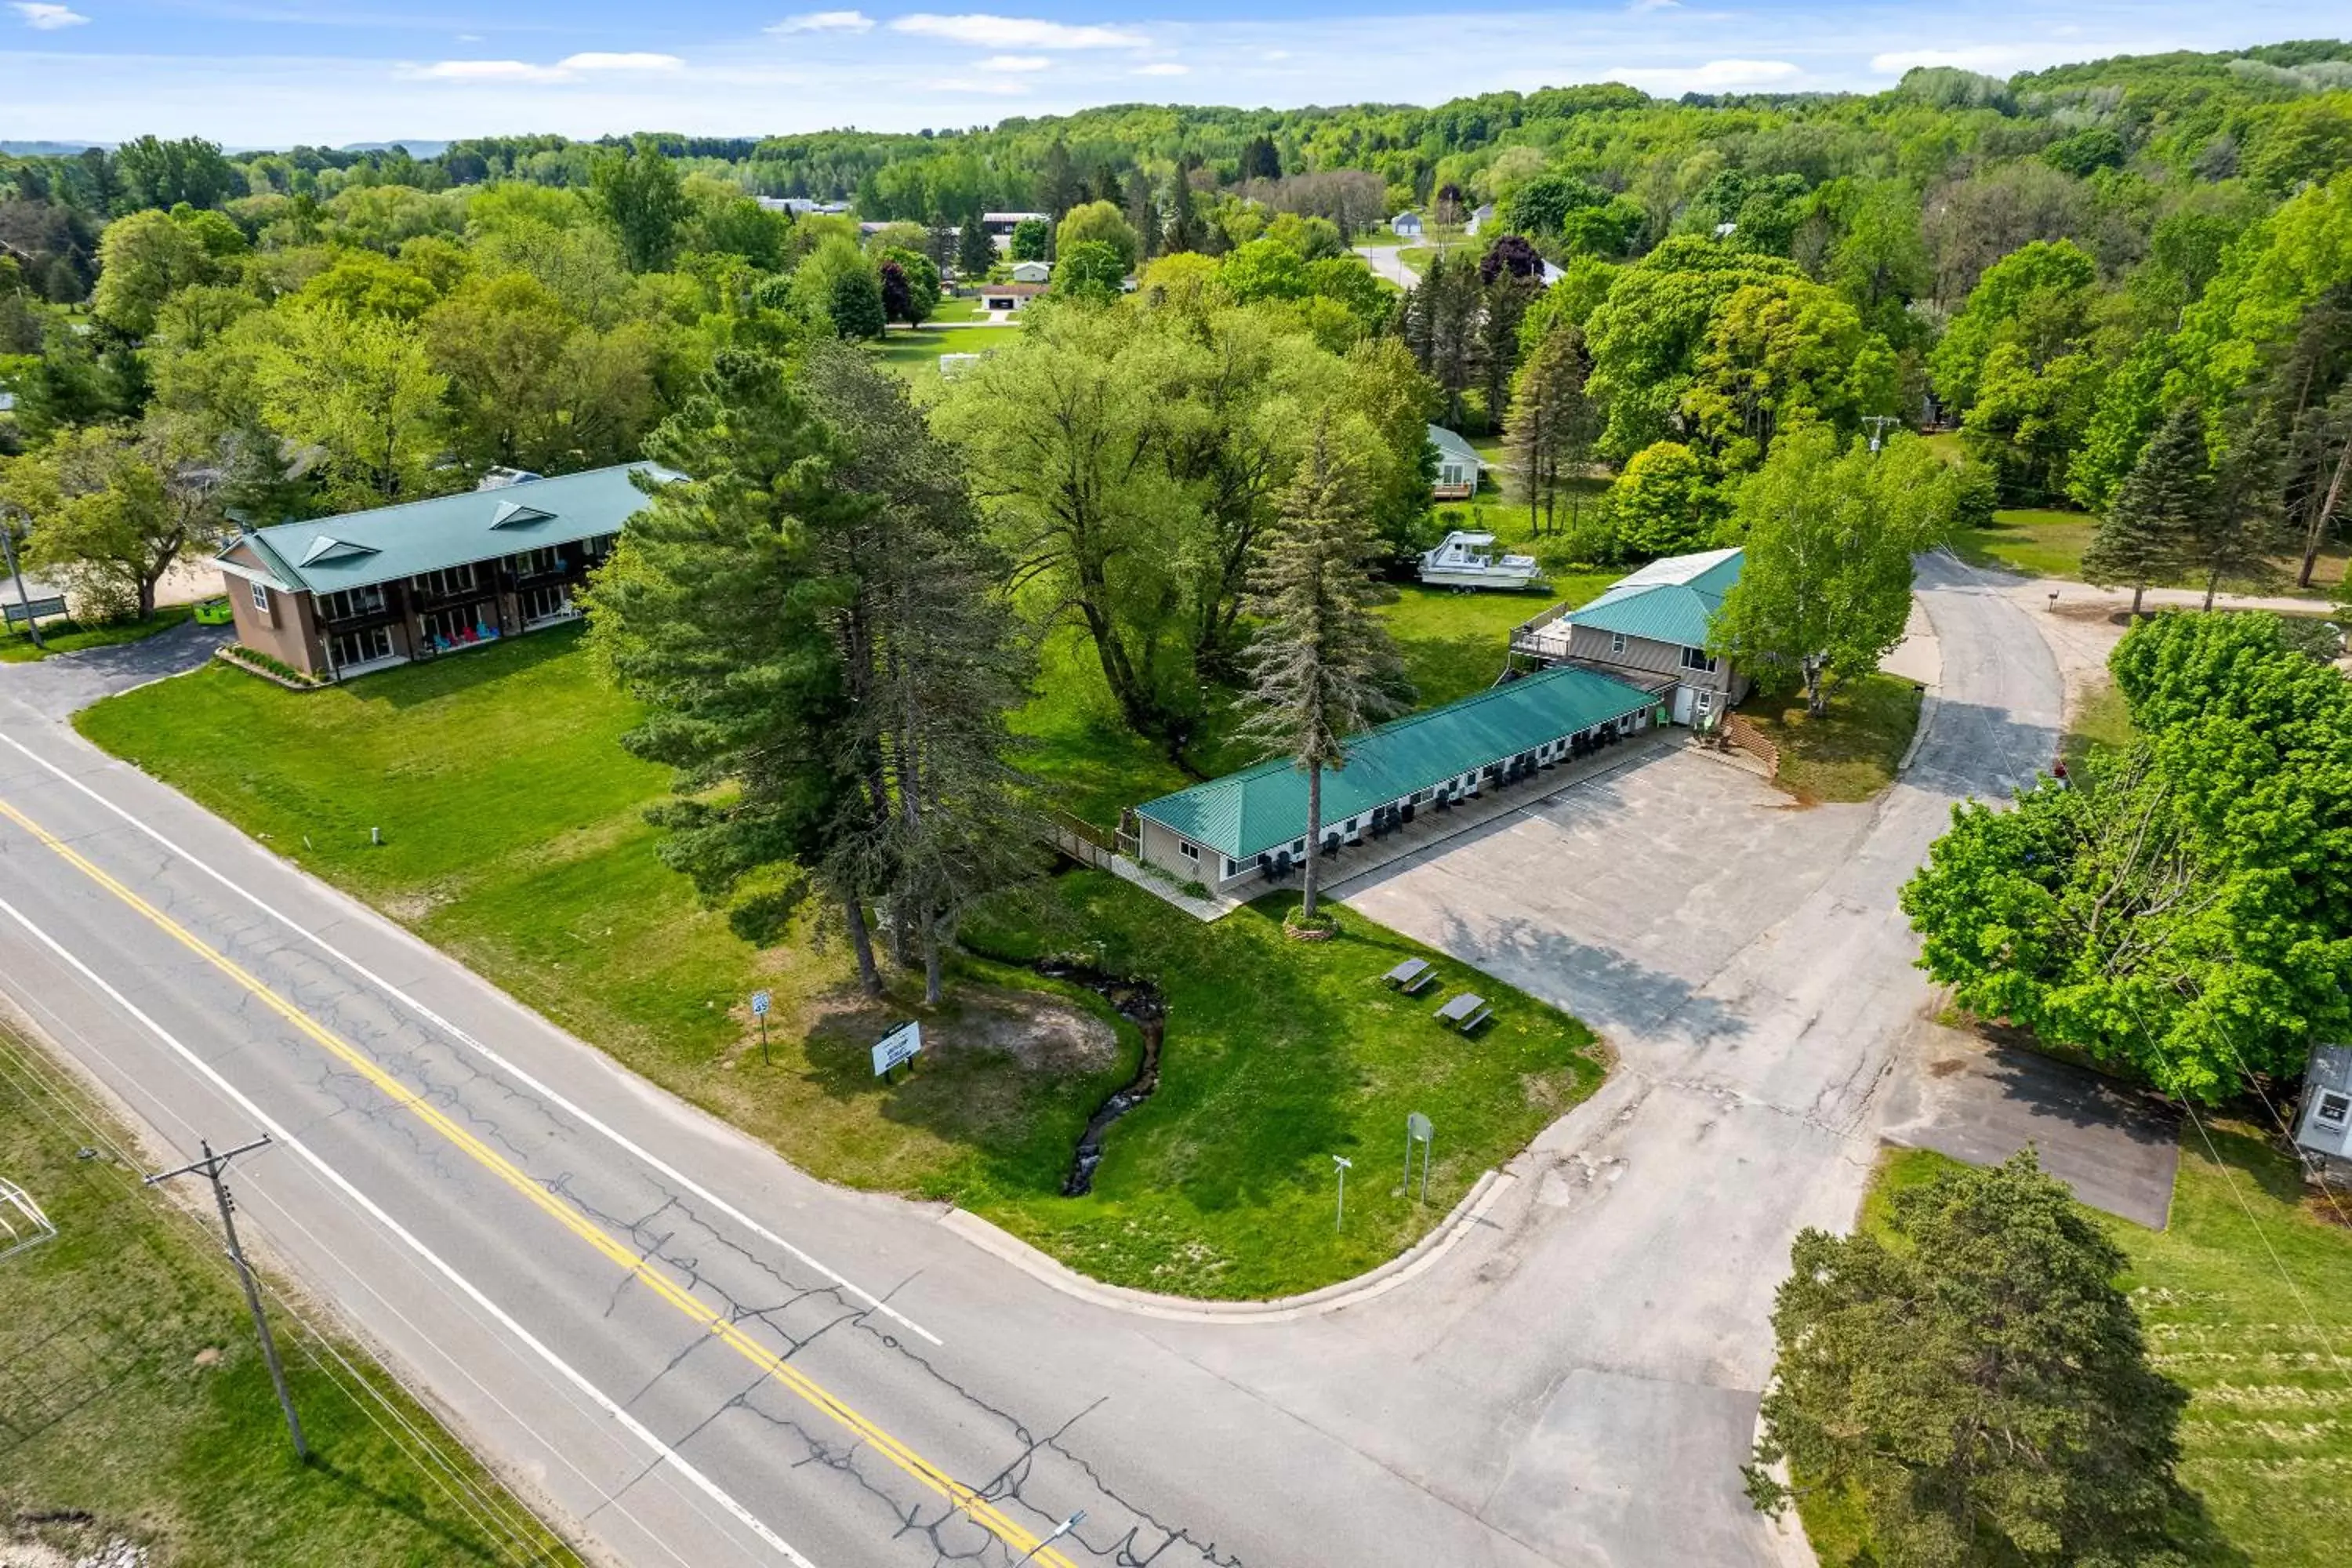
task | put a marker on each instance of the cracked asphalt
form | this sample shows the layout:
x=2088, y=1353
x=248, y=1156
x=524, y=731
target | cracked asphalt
x=687, y=1351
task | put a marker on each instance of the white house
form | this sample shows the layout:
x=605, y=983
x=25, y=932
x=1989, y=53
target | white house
x=1458, y=465
x=999, y=226
x=1480, y=218
x=1406, y=226
x=1032, y=271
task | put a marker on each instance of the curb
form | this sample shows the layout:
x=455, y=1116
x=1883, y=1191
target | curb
x=1928, y=703
x=1409, y=1265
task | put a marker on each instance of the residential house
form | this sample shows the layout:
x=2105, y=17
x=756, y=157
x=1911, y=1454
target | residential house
x=2323, y=1132
x=999, y=226
x=1252, y=825
x=1458, y=465
x=1405, y=225
x=802, y=207
x=1007, y=296
x=1483, y=215
x=1033, y=271
x=340, y=596
x=1649, y=626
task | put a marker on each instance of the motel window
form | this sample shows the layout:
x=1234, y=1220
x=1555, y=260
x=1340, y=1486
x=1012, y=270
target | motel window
x=1698, y=658
x=1298, y=846
x=261, y=597
x=350, y=601
x=531, y=562
x=2335, y=1109
x=1232, y=866
x=449, y=580
x=1616, y=642
x=1187, y=851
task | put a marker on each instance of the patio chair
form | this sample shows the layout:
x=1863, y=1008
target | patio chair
x=1405, y=814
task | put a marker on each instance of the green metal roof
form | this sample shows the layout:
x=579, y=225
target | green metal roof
x=1264, y=807
x=1671, y=601
x=390, y=542
x=1450, y=445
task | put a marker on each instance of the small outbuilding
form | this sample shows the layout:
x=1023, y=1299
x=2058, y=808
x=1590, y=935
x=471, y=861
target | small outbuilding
x=2323, y=1132
x=1479, y=218
x=1458, y=465
x=1033, y=271
x=1008, y=296
x=1405, y=225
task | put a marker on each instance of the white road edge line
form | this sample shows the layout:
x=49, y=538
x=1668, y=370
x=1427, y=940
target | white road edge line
x=343, y=1183
x=544, y=1091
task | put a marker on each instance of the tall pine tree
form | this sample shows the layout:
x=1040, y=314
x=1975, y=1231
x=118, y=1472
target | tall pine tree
x=1323, y=666
x=2159, y=510
x=1553, y=423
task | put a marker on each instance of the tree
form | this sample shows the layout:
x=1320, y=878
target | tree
x=1441, y=327
x=1978, y=1379
x=840, y=285
x=2028, y=420
x=2038, y=298
x=640, y=194
x=2182, y=909
x=143, y=259
x=1552, y=423
x=1260, y=160
x=2147, y=534
x=1825, y=586
x=1089, y=269
x=530, y=387
x=975, y=252
x=2240, y=536
x=1660, y=502
x=158, y=174
x=1032, y=237
x=1323, y=666
x=1507, y=295
x=916, y=294
x=113, y=513
x=1185, y=230
x=362, y=389
x=1779, y=352
x=1100, y=223
x=1264, y=270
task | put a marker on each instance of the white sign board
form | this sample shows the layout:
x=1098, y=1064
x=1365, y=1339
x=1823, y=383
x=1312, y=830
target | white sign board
x=896, y=1047
x=760, y=1001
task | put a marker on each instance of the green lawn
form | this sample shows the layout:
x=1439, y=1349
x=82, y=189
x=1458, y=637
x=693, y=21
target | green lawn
x=1850, y=753
x=1279, y=1055
x=513, y=838
x=916, y=356
x=136, y=1393
x=2045, y=542
x=957, y=308
x=1084, y=758
x=2104, y=720
x=65, y=637
x=1453, y=643
x=2268, y=1366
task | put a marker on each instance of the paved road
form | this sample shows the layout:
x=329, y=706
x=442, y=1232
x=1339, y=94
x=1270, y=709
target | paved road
x=697, y=1355
x=1388, y=262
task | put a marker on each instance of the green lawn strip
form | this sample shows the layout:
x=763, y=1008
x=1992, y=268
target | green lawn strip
x=2268, y=1363
x=65, y=637
x=2102, y=721
x=1454, y=642
x=1278, y=1054
x=916, y=356
x=2046, y=542
x=137, y=1394
x=1849, y=754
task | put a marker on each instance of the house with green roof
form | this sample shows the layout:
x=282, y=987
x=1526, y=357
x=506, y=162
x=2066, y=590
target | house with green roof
x=338, y=596
x=1650, y=625
x=1253, y=823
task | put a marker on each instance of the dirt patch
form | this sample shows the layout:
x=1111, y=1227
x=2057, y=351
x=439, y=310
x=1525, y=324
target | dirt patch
x=1945, y=1067
x=65, y=1540
x=1040, y=1031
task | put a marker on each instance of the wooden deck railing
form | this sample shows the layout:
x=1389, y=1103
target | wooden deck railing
x=1741, y=735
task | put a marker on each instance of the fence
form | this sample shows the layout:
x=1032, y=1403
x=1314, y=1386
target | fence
x=1082, y=841
x=1738, y=733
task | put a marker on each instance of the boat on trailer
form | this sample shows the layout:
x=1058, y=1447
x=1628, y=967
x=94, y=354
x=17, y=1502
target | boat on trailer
x=1468, y=561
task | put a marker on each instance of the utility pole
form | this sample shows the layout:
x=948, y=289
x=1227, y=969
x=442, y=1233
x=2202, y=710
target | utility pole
x=8, y=548
x=1878, y=424
x=210, y=1167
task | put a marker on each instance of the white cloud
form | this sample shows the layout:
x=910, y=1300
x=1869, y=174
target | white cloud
x=47, y=18
x=825, y=21
x=1978, y=57
x=1163, y=67
x=1016, y=32
x=1002, y=87
x=486, y=70
x=1014, y=63
x=1715, y=76
x=621, y=62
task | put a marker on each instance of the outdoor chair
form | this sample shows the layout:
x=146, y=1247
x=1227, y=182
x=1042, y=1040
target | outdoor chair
x=1282, y=865
x=1405, y=814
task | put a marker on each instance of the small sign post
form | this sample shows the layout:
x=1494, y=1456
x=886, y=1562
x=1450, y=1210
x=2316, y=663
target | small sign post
x=898, y=1047
x=761, y=1001
x=1417, y=1131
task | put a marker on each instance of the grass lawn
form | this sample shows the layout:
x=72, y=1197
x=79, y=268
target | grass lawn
x=514, y=838
x=1278, y=1056
x=2104, y=720
x=916, y=356
x=65, y=637
x=1453, y=643
x=958, y=308
x=136, y=1393
x=1084, y=758
x=2268, y=1368
x=1848, y=755
x=2043, y=543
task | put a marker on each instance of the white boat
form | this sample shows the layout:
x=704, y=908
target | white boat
x=1468, y=561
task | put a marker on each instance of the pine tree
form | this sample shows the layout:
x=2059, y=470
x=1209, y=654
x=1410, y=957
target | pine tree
x=2242, y=533
x=1505, y=300
x=1185, y=231
x=975, y=251
x=1553, y=423
x=2159, y=510
x=1323, y=666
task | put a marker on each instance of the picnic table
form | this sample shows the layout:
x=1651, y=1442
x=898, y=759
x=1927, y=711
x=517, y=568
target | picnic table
x=1410, y=975
x=1465, y=1012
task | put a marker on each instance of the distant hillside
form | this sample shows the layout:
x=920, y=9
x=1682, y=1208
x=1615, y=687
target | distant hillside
x=48, y=149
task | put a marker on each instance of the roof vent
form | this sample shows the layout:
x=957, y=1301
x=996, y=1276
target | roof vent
x=325, y=548
x=514, y=514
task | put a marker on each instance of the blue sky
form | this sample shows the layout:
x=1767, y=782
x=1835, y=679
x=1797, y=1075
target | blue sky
x=273, y=72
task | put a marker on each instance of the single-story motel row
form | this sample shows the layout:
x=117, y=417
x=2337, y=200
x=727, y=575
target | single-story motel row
x=338, y=597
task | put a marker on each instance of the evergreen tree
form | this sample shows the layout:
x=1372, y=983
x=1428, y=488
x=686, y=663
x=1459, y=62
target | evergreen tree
x=975, y=252
x=1442, y=321
x=2157, y=511
x=2240, y=536
x=1979, y=1380
x=1323, y=666
x=1505, y=303
x=1185, y=230
x=1553, y=423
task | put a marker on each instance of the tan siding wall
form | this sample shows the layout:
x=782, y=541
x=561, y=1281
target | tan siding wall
x=286, y=631
x=1645, y=660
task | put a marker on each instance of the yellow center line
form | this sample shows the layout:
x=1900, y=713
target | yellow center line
x=963, y=1498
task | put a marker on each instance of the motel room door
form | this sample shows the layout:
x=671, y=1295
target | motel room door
x=1681, y=705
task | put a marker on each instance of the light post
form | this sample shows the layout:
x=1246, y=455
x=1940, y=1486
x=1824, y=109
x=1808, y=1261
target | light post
x=8, y=548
